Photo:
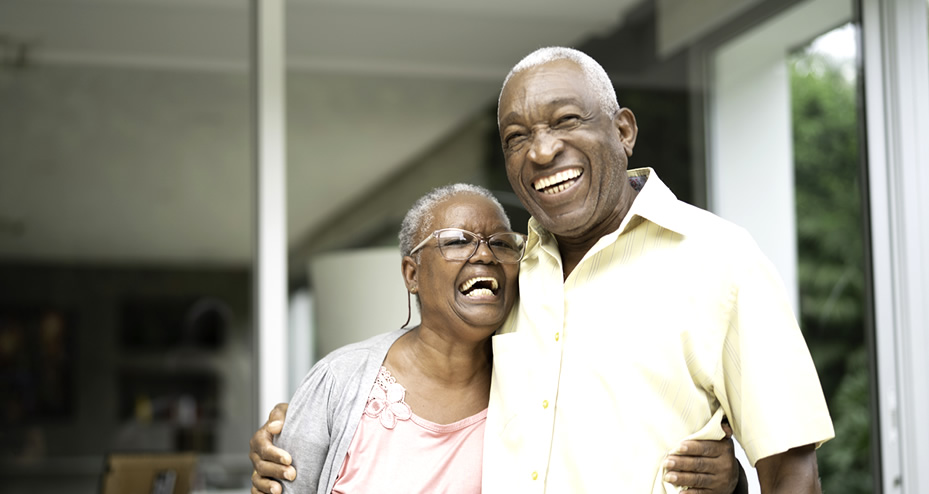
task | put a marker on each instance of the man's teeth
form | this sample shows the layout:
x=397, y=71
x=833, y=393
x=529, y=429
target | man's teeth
x=478, y=292
x=556, y=189
x=561, y=178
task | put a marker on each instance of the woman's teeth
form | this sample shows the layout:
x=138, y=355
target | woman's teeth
x=488, y=286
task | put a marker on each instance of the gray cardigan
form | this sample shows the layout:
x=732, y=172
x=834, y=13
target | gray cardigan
x=326, y=410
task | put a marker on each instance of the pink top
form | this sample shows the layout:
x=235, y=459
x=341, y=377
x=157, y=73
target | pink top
x=394, y=451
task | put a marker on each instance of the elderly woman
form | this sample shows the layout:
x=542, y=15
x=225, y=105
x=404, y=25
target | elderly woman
x=404, y=411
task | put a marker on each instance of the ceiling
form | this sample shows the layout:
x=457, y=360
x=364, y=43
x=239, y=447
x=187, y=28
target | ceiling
x=126, y=135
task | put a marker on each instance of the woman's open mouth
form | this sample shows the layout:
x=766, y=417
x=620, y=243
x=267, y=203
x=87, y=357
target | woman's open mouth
x=479, y=286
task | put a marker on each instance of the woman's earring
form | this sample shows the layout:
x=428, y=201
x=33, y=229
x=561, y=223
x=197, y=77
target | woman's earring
x=409, y=310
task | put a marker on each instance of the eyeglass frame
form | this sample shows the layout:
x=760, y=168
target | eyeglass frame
x=477, y=246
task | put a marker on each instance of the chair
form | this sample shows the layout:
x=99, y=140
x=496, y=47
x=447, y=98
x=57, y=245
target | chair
x=149, y=473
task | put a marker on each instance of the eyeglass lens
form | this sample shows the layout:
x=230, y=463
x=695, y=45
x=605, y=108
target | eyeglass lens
x=459, y=245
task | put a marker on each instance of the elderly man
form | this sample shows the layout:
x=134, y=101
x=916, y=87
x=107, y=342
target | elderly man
x=642, y=320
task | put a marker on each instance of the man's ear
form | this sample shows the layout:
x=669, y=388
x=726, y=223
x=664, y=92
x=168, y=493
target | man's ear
x=410, y=271
x=627, y=129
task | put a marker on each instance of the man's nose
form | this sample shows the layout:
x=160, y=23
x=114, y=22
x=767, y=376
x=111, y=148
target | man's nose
x=544, y=147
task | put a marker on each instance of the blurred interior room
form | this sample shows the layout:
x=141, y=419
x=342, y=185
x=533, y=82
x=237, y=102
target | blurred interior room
x=199, y=198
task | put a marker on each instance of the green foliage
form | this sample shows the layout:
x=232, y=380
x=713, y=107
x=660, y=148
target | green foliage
x=831, y=260
x=844, y=461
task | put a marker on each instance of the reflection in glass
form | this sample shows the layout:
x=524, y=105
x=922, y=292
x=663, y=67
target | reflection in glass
x=125, y=284
x=831, y=267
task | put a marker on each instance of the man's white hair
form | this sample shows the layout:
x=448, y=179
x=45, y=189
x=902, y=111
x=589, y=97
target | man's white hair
x=593, y=72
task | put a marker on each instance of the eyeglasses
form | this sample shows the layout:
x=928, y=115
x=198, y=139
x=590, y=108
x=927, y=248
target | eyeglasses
x=456, y=244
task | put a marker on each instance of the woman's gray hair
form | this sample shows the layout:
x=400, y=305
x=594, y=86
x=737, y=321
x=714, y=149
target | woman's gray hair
x=594, y=73
x=420, y=216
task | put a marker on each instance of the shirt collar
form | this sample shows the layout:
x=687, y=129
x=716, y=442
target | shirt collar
x=656, y=203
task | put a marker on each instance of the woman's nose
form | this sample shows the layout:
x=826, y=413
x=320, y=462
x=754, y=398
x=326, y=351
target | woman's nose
x=483, y=252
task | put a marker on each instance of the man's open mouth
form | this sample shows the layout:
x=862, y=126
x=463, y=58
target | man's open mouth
x=479, y=286
x=557, y=182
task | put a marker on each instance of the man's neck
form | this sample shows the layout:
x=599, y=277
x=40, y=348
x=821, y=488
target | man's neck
x=574, y=248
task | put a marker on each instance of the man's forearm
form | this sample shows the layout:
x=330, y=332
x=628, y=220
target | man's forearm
x=793, y=472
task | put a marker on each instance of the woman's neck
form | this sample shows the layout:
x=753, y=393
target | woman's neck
x=440, y=358
x=445, y=381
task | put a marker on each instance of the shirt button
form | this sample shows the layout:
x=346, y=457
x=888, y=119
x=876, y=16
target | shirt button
x=535, y=475
x=544, y=403
x=557, y=336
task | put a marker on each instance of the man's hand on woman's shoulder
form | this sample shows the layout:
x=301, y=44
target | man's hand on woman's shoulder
x=269, y=461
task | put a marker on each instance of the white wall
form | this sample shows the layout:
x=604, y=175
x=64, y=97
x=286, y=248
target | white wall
x=358, y=294
x=750, y=144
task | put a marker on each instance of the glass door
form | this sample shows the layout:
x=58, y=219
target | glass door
x=785, y=160
x=125, y=239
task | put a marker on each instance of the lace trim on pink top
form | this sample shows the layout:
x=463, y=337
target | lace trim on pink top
x=386, y=400
x=394, y=451
x=386, y=404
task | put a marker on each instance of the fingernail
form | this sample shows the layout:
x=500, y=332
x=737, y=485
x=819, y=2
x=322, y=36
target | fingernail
x=290, y=474
x=681, y=449
x=275, y=489
x=276, y=423
x=668, y=464
x=670, y=478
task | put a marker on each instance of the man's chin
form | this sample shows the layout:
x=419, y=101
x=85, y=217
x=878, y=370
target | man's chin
x=565, y=225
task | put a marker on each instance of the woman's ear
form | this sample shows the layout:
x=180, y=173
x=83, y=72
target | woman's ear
x=410, y=271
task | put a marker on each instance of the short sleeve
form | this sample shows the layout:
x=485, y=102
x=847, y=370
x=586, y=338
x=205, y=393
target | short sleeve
x=767, y=381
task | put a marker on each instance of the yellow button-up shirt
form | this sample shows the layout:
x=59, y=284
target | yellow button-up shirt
x=665, y=325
